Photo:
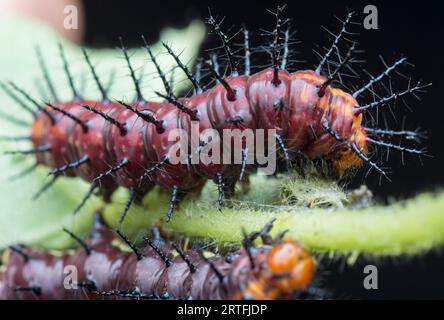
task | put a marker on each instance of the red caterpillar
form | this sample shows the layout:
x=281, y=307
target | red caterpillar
x=114, y=144
x=275, y=271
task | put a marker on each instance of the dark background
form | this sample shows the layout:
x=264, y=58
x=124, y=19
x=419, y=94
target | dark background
x=411, y=29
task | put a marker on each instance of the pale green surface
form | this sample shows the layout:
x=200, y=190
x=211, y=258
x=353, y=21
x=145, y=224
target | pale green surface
x=40, y=221
x=409, y=227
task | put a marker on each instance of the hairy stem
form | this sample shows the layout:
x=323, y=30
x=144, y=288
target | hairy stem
x=312, y=210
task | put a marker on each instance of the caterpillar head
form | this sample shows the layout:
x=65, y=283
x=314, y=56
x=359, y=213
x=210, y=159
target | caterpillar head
x=350, y=160
x=291, y=266
x=345, y=123
x=286, y=269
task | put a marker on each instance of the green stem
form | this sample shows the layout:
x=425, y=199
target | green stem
x=405, y=227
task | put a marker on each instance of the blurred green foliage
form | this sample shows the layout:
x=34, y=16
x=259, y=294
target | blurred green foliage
x=40, y=221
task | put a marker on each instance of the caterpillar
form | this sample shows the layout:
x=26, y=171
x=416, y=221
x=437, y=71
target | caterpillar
x=162, y=270
x=114, y=143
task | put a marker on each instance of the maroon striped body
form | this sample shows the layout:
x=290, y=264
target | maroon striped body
x=107, y=271
x=293, y=108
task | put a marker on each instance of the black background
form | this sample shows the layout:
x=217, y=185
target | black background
x=412, y=29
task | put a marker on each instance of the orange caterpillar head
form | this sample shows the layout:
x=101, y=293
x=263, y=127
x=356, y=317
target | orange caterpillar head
x=348, y=159
x=287, y=269
x=291, y=266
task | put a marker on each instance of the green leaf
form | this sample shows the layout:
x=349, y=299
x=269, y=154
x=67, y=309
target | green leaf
x=40, y=221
